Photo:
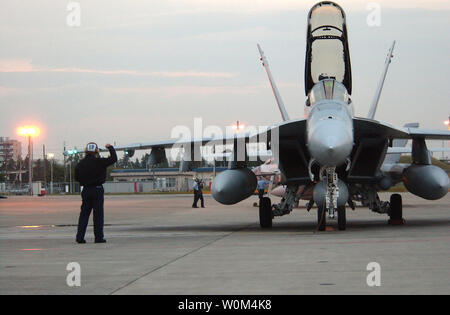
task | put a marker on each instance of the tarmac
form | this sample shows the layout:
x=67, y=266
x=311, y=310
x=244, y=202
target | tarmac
x=158, y=244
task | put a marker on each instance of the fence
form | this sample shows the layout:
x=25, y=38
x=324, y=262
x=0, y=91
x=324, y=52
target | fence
x=74, y=188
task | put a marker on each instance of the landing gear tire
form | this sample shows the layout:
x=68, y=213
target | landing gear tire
x=265, y=213
x=321, y=218
x=342, y=220
x=396, y=213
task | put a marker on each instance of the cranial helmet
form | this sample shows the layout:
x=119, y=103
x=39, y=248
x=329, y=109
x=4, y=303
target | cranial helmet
x=92, y=147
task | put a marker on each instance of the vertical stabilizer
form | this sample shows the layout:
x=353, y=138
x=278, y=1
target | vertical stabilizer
x=373, y=107
x=276, y=93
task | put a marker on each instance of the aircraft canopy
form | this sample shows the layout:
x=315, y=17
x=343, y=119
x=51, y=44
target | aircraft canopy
x=327, y=52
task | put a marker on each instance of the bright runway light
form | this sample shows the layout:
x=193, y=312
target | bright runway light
x=28, y=131
x=238, y=126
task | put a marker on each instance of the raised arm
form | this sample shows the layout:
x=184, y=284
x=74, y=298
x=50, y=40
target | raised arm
x=112, y=156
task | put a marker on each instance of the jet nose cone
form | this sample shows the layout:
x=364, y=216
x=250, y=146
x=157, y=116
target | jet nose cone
x=330, y=143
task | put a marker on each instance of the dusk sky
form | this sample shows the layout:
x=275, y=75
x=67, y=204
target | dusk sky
x=135, y=69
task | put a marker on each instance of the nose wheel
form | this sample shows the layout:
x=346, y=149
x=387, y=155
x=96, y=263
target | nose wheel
x=321, y=218
x=342, y=220
x=265, y=213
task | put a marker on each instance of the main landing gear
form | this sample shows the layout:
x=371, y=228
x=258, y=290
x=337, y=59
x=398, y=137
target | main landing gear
x=265, y=213
x=368, y=196
x=396, y=210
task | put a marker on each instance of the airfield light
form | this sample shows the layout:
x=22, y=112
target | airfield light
x=29, y=132
x=238, y=126
x=71, y=152
x=447, y=122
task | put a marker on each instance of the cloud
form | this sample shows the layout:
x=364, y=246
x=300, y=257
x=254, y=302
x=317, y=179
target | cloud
x=6, y=90
x=201, y=6
x=198, y=90
x=15, y=65
x=25, y=66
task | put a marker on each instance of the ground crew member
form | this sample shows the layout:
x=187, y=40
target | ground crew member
x=91, y=173
x=198, y=194
x=261, y=187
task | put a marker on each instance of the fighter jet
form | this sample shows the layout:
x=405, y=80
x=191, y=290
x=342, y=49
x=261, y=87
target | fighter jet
x=338, y=155
x=335, y=156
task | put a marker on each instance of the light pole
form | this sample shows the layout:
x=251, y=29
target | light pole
x=70, y=176
x=447, y=123
x=51, y=156
x=238, y=127
x=29, y=132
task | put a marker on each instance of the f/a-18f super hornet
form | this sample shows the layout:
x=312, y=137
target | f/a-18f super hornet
x=339, y=157
x=336, y=157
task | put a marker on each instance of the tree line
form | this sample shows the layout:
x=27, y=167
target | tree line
x=61, y=173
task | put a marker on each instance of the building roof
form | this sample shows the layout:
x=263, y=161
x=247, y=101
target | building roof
x=168, y=169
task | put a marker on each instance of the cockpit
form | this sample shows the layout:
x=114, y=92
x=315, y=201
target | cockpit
x=328, y=89
x=327, y=47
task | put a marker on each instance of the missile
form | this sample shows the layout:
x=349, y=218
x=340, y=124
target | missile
x=427, y=181
x=280, y=191
x=233, y=185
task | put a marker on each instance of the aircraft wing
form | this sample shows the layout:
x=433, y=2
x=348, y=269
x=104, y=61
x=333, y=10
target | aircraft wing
x=253, y=137
x=398, y=150
x=428, y=134
x=286, y=128
x=365, y=127
x=166, y=144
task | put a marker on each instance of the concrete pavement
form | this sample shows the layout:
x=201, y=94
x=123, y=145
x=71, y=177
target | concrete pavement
x=158, y=244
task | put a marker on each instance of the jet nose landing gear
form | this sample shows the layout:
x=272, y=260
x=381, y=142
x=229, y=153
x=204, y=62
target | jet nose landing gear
x=342, y=219
x=322, y=221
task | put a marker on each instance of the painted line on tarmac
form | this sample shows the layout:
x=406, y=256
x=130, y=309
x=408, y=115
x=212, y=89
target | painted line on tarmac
x=178, y=258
